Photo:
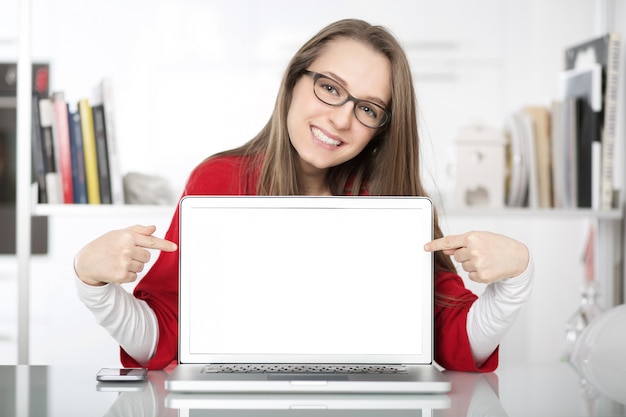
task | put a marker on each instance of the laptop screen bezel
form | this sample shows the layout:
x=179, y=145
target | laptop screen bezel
x=421, y=204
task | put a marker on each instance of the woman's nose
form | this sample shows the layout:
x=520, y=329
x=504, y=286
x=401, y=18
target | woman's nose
x=343, y=116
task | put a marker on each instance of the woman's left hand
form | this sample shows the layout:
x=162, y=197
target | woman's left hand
x=486, y=257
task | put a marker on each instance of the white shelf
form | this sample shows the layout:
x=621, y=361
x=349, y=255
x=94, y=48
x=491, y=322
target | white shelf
x=133, y=209
x=101, y=210
x=581, y=213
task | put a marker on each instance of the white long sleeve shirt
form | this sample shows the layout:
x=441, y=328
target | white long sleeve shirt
x=133, y=324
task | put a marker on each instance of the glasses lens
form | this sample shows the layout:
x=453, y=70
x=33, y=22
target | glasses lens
x=329, y=91
x=370, y=114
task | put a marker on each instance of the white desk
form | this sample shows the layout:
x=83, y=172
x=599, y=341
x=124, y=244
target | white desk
x=514, y=390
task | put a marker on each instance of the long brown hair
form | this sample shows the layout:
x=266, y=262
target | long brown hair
x=389, y=164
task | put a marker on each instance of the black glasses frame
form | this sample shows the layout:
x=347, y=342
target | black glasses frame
x=316, y=76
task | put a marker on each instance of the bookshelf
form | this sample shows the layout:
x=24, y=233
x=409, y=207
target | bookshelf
x=610, y=222
x=101, y=210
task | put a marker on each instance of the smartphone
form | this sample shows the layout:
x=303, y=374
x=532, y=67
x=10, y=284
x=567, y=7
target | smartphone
x=122, y=374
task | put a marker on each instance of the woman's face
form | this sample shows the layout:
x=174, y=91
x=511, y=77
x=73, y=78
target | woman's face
x=323, y=135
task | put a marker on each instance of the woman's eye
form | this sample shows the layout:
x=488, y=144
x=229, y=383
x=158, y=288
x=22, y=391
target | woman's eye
x=329, y=88
x=369, y=112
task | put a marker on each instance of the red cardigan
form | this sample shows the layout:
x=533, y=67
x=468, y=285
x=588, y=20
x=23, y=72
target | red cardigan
x=223, y=176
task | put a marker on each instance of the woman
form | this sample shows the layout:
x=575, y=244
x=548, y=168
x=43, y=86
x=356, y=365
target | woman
x=320, y=140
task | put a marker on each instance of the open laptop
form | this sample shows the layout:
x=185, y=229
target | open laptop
x=306, y=294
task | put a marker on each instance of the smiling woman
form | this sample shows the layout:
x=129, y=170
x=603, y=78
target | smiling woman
x=344, y=124
x=326, y=135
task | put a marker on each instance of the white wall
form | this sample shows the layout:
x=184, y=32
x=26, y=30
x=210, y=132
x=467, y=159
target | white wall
x=193, y=78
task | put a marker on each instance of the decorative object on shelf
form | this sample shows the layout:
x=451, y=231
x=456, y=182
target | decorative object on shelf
x=147, y=189
x=589, y=307
x=480, y=167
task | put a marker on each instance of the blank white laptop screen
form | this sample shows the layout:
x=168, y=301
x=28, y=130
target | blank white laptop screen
x=306, y=279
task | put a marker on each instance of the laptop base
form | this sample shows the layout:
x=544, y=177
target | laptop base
x=419, y=379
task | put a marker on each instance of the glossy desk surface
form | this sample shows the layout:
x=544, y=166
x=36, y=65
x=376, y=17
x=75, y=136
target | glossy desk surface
x=524, y=390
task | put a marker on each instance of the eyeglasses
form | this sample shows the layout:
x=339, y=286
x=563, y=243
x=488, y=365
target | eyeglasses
x=332, y=93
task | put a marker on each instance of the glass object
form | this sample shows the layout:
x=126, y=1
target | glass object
x=599, y=353
x=588, y=310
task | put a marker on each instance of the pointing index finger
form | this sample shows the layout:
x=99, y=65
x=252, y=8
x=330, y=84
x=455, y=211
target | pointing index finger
x=446, y=243
x=153, y=242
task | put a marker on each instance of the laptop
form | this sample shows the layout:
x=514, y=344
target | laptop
x=306, y=295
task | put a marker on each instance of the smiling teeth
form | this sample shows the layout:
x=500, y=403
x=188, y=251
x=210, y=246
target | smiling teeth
x=325, y=139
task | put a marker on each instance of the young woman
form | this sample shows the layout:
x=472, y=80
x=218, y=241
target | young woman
x=345, y=123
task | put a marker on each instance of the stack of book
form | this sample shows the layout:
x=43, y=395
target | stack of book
x=563, y=156
x=75, y=159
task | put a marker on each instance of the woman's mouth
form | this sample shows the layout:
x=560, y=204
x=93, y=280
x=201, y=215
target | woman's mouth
x=319, y=135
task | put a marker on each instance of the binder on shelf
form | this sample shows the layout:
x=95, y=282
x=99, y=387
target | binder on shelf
x=90, y=152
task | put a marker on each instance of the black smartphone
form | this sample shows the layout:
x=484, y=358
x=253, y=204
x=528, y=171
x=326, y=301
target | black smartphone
x=122, y=374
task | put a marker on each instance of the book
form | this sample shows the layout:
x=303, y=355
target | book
x=79, y=181
x=64, y=158
x=584, y=86
x=102, y=153
x=115, y=175
x=604, y=51
x=540, y=117
x=587, y=151
x=557, y=133
x=53, y=179
x=39, y=164
x=89, y=151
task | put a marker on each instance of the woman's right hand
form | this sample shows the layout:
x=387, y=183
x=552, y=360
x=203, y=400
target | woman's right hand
x=118, y=256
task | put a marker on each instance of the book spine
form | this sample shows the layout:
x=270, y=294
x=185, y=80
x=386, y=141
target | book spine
x=570, y=152
x=79, y=182
x=557, y=135
x=39, y=165
x=53, y=180
x=543, y=150
x=587, y=128
x=115, y=175
x=102, y=154
x=89, y=150
x=63, y=146
x=607, y=199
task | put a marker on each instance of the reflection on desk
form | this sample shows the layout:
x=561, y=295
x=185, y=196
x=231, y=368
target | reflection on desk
x=514, y=390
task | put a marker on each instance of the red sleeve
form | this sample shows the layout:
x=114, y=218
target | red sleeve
x=159, y=288
x=452, y=348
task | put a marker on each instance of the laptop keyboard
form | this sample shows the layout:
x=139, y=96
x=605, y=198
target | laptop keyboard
x=300, y=368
